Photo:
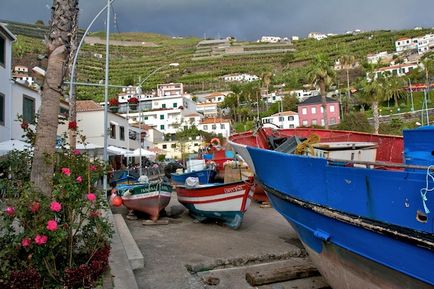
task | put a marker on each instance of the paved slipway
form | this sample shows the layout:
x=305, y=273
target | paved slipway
x=184, y=253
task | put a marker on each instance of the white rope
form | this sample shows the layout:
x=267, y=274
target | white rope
x=425, y=190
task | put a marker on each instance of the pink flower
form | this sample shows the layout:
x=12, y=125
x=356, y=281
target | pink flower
x=66, y=171
x=79, y=179
x=35, y=206
x=51, y=225
x=41, y=239
x=55, y=206
x=10, y=211
x=26, y=242
x=76, y=152
x=91, y=197
x=92, y=168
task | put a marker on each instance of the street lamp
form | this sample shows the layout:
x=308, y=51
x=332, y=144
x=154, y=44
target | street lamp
x=411, y=95
x=139, y=93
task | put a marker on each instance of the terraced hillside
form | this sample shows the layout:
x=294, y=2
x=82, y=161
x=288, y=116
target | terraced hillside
x=201, y=67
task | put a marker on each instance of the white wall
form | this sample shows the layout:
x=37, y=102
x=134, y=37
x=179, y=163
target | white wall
x=5, y=90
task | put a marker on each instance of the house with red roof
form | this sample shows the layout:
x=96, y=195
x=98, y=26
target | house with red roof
x=216, y=125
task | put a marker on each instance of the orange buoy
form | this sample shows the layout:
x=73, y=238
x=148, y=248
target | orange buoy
x=117, y=201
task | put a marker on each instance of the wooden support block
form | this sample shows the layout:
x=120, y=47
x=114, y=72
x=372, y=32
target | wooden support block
x=281, y=274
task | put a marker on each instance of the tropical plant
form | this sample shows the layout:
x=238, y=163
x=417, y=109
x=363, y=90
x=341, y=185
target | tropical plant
x=322, y=74
x=373, y=92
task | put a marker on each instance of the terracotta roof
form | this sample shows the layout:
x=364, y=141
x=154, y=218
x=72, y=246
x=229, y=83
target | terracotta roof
x=214, y=120
x=192, y=114
x=142, y=126
x=214, y=94
x=403, y=38
x=88, y=105
x=285, y=113
x=396, y=66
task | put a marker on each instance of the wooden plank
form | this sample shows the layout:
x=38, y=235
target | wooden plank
x=282, y=274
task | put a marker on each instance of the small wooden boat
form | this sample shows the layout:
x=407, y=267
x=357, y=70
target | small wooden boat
x=222, y=201
x=150, y=198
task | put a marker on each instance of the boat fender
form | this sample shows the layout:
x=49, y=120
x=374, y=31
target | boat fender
x=322, y=235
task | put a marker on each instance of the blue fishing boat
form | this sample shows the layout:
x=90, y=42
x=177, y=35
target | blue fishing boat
x=365, y=223
x=205, y=176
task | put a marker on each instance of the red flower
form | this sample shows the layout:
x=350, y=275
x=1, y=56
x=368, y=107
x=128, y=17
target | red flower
x=10, y=211
x=79, y=179
x=92, y=168
x=66, y=171
x=26, y=242
x=35, y=206
x=24, y=125
x=113, y=102
x=51, y=225
x=133, y=100
x=55, y=206
x=41, y=239
x=76, y=152
x=91, y=197
x=72, y=125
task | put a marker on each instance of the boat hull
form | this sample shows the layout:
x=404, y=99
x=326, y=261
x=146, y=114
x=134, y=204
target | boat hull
x=344, y=262
x=225, y=202
x=204, y=176
x=148, y=199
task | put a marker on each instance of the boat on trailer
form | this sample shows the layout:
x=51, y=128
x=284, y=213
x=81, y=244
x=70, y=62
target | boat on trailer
x=366, y=223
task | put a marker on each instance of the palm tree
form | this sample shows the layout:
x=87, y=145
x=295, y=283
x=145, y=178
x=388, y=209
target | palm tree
x=373, y=92
x=348, y=62
x=394, y=88
x=320, y=72
x=266, y=80
x=58, y=46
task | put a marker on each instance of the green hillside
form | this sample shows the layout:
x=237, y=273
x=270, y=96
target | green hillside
x=201, y=67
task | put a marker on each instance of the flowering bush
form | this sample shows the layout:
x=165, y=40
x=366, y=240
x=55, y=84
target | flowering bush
x=56, y=241
x=72, y=125
x=113, y=102
x=133, y=100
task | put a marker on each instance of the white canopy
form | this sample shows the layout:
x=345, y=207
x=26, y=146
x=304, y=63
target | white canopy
x=13, y=144
x=113, y=150
x=145, y=153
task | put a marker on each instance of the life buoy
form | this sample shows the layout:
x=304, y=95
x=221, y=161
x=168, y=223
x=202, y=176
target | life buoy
x=215, y=141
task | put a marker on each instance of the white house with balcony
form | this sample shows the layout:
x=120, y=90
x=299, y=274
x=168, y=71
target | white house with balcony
x=6, y=112
x=398, y=70
x=175, y=149
x=216, y=125
x=376, y=58
x=285, y=119
x=422, y=44
x=272, y=97
x=302, y=94
x=208, y=109
x=270, y=39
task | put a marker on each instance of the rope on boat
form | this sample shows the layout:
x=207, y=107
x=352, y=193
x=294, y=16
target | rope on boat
x=302, y=147
x=425, y=190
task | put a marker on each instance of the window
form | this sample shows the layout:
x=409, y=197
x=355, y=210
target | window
x=146, y=118
x=163, y=105
x=28, y=109
x=304, y=122
x=291, y=126
x=191, y=119
x=132, y=135
x=332, y=108
x=332, y=120
x=290, y=118
x=175, y=105
x=281, y=118
x=304, y=110
x=121, y=133
x=205, y=127
x=2, y=109
x=322, y=109
x=161, y=116
x=214, y=127
x=314, y=122
x=112, y=131
x=322, y=122
x=173, y=145
x=162, y=127
x=313, y=110
x=164, y=147
x=222, y=126
x=2, y=51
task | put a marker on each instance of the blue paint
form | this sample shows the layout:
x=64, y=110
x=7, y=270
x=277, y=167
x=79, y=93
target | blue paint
x=232, y=219
x=205, y=176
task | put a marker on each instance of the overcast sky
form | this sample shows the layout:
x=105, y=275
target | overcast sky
x=244, y=19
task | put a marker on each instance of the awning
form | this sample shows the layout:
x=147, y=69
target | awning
x=144, y=153
x=13, y=144
x=118, y=151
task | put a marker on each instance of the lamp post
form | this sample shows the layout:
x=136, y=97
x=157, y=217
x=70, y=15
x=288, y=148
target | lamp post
x=411, y=95
x=139, y=93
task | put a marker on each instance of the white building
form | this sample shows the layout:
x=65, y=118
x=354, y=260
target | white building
x=170, y=89
x=295, y=38
x=302, y=94
x=90, y=121
x=215, y=97
x=270, y=39
x=398, y=70
x=175, y=149
x=216, y=125
x=244, y=77
x=422, y=44
x=272, y=97
x=208, y=109
x=317, y=35
x=285, y=119
x=6, y=111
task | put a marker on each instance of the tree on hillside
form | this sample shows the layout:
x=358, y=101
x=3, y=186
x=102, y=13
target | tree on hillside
x=394, y=86
x=321, y=73
x=39, y=22
x=266, y=80
x=289, y=102
x=372, y=92
x=348, y=61
x=58, y=46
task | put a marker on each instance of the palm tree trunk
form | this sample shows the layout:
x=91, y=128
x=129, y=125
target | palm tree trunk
x=324, y=103
x=376, y=116
x=72, y=99
x=58, y=45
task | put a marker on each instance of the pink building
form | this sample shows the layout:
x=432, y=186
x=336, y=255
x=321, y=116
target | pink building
x=310, y=111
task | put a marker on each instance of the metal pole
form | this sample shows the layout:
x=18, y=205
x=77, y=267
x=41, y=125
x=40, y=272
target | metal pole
x=411, y=95
x=140, y=138
x=107, y=51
